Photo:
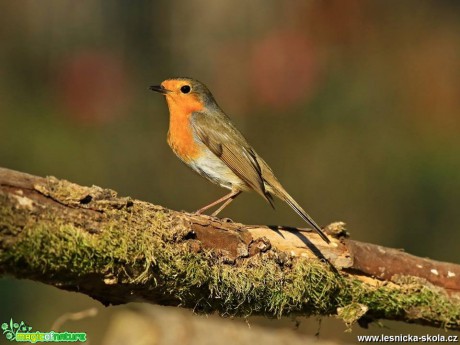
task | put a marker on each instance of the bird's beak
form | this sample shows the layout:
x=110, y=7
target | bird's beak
x=160, y=89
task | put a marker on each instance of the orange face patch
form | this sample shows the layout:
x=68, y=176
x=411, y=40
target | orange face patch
x=179, y=101
x=181, y=106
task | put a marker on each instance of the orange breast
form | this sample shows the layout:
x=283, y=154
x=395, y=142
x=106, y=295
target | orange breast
x=180, y=135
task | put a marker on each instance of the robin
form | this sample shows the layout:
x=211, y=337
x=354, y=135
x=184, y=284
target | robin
x=205, y=139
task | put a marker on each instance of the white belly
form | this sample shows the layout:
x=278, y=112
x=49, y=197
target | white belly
x=215, y=170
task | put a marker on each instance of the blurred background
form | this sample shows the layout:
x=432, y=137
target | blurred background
x=355, y=105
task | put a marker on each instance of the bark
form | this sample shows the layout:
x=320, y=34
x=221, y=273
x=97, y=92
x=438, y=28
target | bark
x=118, y=250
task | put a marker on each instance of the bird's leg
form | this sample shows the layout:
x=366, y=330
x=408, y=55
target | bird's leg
x=226, y=199
x=226, y=203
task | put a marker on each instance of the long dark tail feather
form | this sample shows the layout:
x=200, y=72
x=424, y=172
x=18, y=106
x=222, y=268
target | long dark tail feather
x=306, y=217
x=270, y=200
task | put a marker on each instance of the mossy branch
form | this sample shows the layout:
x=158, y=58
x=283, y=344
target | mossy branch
x=117, y=250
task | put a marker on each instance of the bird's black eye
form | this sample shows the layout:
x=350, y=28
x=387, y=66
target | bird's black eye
x=185, y=89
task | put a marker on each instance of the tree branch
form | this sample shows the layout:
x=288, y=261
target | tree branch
x=118, y=250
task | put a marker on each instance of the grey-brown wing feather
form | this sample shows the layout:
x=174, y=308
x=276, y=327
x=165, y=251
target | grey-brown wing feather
x=227, y=143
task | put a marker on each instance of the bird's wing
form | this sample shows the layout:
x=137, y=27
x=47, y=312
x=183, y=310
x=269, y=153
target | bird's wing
x=227, y=143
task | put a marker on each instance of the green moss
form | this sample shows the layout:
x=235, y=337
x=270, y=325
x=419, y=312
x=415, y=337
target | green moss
x=142, y=245
x=352, y=312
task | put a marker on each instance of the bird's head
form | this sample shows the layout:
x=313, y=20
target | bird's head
x=188, y=94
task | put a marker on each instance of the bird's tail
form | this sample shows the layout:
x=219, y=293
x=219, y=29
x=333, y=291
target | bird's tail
x=282, y=194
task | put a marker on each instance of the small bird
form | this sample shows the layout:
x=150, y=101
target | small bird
x=205, y=139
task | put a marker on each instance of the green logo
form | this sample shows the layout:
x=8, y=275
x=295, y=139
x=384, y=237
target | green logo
x=21, y=332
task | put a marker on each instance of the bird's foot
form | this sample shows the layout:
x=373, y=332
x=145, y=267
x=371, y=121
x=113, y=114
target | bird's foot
x=214, y=217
